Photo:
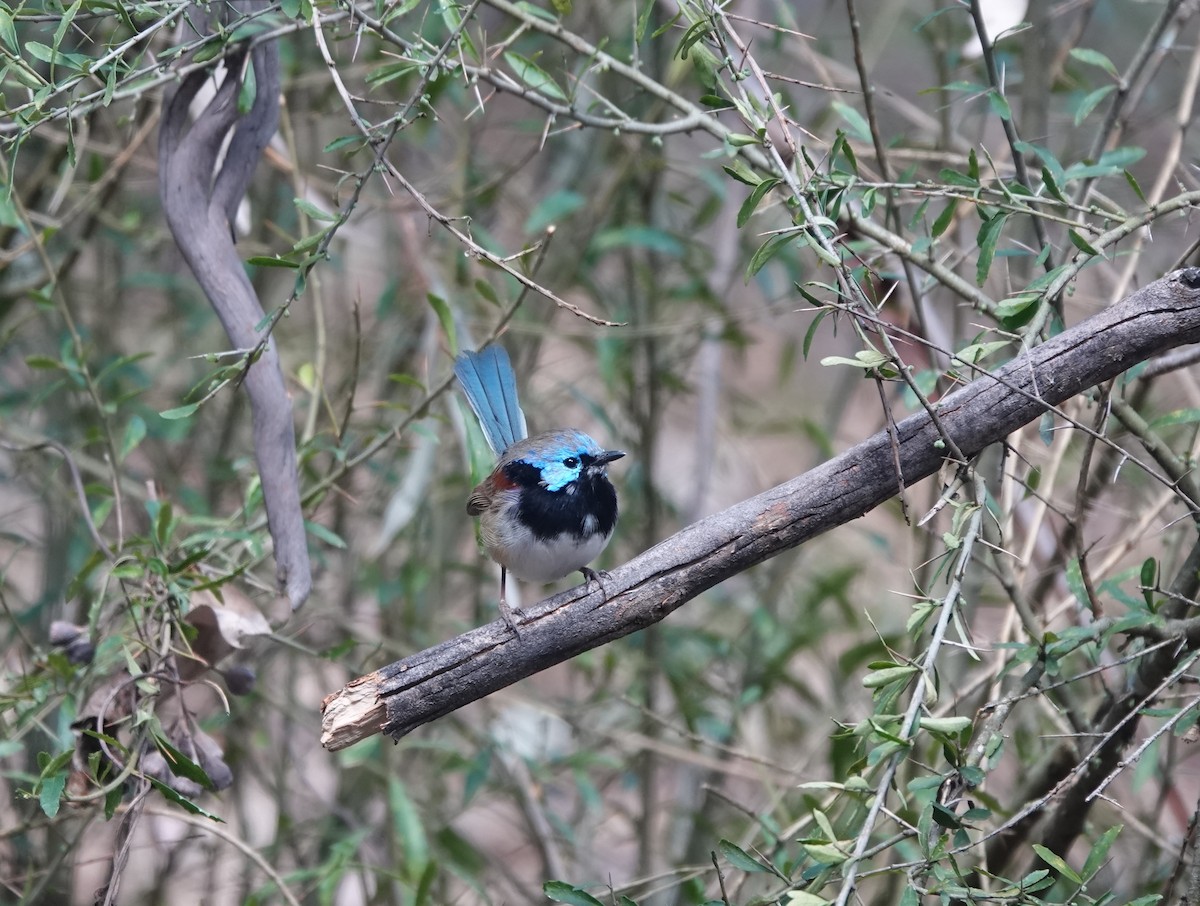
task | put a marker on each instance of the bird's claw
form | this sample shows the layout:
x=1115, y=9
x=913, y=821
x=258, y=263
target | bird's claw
x=598, y=576
x=511, y=616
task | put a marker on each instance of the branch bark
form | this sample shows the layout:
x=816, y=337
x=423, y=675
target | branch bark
x=402, y=696
x=201, y=191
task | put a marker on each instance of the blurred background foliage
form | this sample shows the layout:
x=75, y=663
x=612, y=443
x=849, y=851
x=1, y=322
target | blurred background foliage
x=713, y=179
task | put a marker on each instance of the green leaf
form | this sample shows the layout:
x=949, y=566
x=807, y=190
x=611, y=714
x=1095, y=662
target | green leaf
x=344, y=141
x=977, y=352
x=534, y=76
x=1137, y=189
x=825, y=853
x=164, y=523
x=485, y=289
x=859, y=127
x=246, y=92
x=1046, y=428
x=989, y=235
x=64, y=23
x=944, y=219
x=877, y=679
x=741, y=171
x=1089, y=102
x=1178, y=417
x=767, y=251
x=562, y=892
x=739, y=858
x=1082, y=244
x=1095, y=58
x=445, y=317
x=182, y=801
x=135, y=433
x=50, y=790
x=1149, y=580
x=741, y=139
x=864, y=358
x=1110, y=163
x=44, y=362
x=1052, y=186
x=553, y=208
x=1057, y=863
x=180, y=412
x=947, y=725
x=407, y=826
x=271, y=261
x=312, y=210
x=999, y=104
x=643, y=20
x=811, y=333
x=754, y=199
x=804, y=898
x=642, y=237
x=453, y=20
x=8, y=34
x=329, y=537
x=179, y=764
x=1075, y=583
x=1098, y=855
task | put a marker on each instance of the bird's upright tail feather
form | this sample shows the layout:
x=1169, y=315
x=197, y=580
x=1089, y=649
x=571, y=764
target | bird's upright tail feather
x=487, y=379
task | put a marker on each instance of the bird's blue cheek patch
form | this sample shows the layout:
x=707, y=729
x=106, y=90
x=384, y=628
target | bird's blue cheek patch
x=556, y=476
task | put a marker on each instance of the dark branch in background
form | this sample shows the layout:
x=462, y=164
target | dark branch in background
x=200, y=195
x=1071, y=782
x=400, y=697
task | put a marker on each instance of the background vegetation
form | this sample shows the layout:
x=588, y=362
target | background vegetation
x=795, y=212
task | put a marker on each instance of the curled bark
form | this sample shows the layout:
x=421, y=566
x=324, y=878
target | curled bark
x=401, y=696
x=201, y=190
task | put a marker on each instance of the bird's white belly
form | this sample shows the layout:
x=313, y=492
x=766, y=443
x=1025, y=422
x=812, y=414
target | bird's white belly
x=536, y=560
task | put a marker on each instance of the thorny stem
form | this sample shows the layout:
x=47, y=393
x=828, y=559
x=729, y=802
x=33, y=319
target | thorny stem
x=917, y=701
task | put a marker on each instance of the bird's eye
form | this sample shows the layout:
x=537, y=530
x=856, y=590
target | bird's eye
x=571, y=462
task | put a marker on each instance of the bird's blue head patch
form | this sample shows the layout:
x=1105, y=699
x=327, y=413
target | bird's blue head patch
x=561, y=457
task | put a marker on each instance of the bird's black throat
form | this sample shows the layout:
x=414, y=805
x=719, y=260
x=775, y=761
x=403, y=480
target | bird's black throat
x=550, y=514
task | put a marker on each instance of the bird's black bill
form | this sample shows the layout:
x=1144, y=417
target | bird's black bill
x=608, y=456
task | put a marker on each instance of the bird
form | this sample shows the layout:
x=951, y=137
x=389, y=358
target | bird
x=547, y=509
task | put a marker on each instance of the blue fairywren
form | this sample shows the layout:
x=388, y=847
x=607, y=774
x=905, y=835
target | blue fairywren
x=548, y=508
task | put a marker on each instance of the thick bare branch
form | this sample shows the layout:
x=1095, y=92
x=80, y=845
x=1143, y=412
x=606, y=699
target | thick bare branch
x=200, y=192
x=400, y=697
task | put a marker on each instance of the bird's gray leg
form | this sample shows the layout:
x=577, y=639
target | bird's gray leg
x=510, y=615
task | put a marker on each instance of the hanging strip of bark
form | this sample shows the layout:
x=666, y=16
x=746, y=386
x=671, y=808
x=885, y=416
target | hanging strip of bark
x=400, y=697
x=201, y=190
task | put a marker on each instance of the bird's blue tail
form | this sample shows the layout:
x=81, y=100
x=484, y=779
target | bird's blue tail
x=487, y=379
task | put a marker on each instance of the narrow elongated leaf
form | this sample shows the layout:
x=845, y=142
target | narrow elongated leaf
x=1056, y=862
x=859, y=128
x=1088, y=104
x=562, y=892
x=534, y=76
x=754, y=200
x=989, y=236
x=1082, y=244
x=178, y=763
x=944, y=219
x=739, y=858
x=1095, y=58
x=1098, y=855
